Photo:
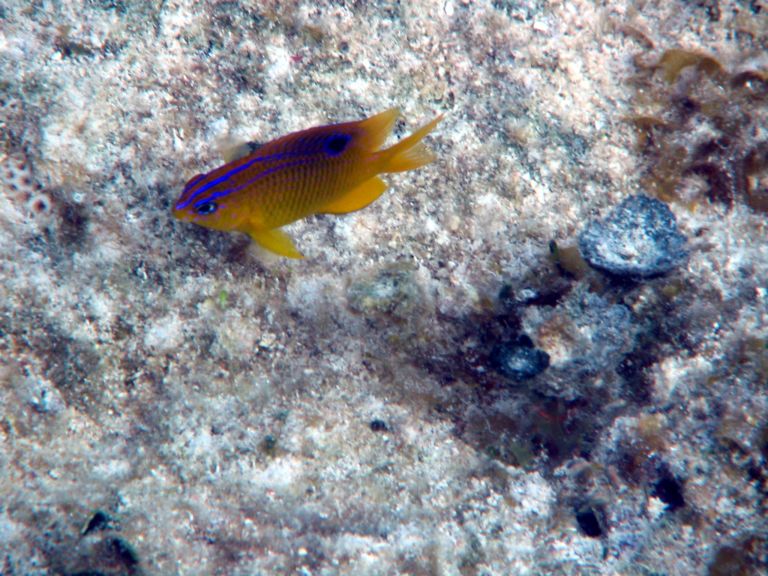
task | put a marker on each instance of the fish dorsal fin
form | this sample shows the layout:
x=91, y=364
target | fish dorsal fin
x=374, y=130
x=357, y=198
x=237, y=151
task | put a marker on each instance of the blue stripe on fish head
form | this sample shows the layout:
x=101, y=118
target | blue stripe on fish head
x=186, y=200
x=192, y=182
x=188, y=191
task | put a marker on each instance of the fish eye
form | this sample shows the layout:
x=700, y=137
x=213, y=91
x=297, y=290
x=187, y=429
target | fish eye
x=336, y=144
x=207, y=208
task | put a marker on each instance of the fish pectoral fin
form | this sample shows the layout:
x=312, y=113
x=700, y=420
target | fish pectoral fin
x=275, y=241
x=357, y=198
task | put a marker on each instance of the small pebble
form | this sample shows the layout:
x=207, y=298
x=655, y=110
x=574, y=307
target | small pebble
x=377, y=425
x=638, y=239
x=99, y=521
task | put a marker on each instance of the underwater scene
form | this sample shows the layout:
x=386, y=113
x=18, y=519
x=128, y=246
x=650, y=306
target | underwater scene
x=379, y=288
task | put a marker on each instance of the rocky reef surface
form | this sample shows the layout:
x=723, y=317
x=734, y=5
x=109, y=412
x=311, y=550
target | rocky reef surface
x=544, y=353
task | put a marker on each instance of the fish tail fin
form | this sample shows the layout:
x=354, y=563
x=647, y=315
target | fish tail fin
x=410, y=152
x=376, y=128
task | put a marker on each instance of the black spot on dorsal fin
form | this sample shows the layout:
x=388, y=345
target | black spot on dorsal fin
x=335, y=144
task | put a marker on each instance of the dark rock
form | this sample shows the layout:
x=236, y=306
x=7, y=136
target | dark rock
x=638, y=239
x=519, y=360
x=123, y=553
x=669, y=490
x=99, y=521
x=588, y=522
x=73, y=226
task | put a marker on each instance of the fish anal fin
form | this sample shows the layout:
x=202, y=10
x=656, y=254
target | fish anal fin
x=275, y=241
x=358, y=198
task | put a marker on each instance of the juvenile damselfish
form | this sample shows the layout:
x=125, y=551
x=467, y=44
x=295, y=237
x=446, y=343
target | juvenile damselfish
x=329, y=169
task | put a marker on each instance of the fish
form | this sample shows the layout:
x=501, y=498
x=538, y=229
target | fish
x=331, y=169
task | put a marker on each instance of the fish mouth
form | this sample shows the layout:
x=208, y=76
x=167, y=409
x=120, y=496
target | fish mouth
x=182, y=215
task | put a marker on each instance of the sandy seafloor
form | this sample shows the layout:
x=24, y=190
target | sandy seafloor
x=174, y=401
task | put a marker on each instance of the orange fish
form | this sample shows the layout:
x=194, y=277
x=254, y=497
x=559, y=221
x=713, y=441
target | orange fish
x=329, y=169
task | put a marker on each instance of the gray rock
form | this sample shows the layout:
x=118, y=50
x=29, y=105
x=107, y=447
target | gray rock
x=638, y=239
